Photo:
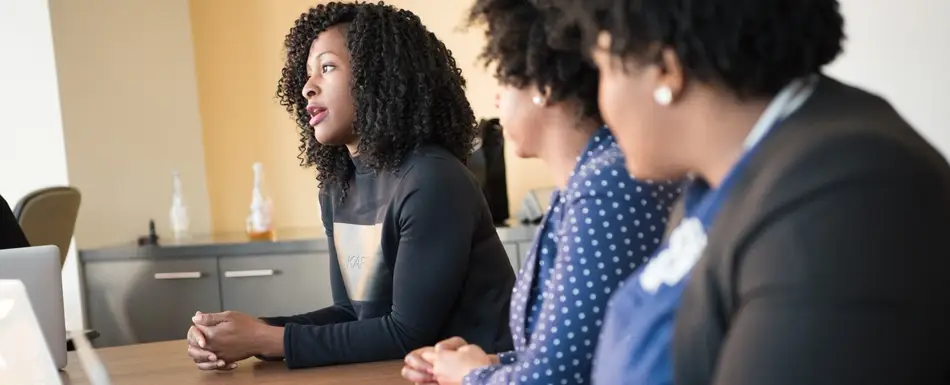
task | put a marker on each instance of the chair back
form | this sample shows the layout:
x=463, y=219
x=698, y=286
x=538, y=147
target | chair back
x=48, y=217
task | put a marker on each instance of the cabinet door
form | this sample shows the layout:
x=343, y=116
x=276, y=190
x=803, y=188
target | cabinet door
x=513, y=255
x=276, y=285
x=524, y=248
x=145, y=300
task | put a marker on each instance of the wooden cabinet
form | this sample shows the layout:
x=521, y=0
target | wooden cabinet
x=524, y=248
x=145, y=294
x=511, y=248
x=276, y=285
x=140, y=300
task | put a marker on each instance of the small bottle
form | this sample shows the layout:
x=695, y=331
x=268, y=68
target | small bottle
x=259, y=221
x=179, y=212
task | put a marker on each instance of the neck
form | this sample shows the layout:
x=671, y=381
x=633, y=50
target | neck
x=721, y=141
x=563, y=144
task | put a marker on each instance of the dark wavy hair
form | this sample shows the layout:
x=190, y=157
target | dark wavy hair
x=517, y=43
x=406, y=87
x=753, y=48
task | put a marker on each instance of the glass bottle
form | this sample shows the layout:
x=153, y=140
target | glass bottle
x=178, y=214
x=259, y=221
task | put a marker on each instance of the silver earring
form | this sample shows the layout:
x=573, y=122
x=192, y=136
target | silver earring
x=663, y=96
x=537, y=100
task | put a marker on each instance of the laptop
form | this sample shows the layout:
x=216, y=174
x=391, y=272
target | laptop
x=40, y=271
x=24, y=357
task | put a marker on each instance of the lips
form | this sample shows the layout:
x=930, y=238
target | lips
x=317, y=114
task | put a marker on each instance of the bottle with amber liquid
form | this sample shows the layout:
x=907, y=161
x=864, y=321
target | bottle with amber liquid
x=259, y=220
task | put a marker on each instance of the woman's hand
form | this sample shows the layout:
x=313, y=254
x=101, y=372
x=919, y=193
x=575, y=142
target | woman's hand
x=205, y=359
x=417, y=369
x=451, y=366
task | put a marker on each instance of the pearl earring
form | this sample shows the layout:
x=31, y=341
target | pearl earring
x=538, y=100
x=663, y=96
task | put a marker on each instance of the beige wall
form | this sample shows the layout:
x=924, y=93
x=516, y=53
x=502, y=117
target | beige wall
x=130, y=114
x=237, y=45
x=238, y=57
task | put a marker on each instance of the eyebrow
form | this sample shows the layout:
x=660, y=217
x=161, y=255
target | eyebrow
x=317, y=58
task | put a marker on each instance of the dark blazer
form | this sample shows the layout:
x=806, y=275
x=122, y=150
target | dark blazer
x=11, y=235
x=829, y=262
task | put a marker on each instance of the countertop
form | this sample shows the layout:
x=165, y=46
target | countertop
x=286, y=241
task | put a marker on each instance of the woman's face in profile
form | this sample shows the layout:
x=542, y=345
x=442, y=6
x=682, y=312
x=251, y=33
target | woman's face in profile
x=520, y=118
x=628, y=107
x=327, y=91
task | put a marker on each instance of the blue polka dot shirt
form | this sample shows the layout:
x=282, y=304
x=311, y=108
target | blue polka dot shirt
x=596, y=232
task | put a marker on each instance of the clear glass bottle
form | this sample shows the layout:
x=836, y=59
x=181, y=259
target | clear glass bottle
x=178, y=214
x=260, y=219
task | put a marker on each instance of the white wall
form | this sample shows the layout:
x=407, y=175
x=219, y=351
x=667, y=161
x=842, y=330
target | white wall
x=130, y=116
x=115, y=98
x=901, y=50
x=32, y=151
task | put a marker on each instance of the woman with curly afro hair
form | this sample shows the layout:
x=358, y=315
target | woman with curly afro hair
x=812, y=246
x=585, y=248
x=414, y=255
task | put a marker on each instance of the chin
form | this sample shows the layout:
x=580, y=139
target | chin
x=643, y=170
x=521, y=153
x=328, y=137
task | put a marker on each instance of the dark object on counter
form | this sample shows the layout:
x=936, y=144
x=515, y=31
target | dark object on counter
x=90, y=335
x=488, y=165
x=152, y=237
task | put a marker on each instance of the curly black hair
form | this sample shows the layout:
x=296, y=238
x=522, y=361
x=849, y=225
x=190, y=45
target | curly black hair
x=406, y=87
x=517, y=43
x=752, y=47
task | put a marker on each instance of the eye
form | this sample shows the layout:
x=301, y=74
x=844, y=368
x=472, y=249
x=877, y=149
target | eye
x=326, y=68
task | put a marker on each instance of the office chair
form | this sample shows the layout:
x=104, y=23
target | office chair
x=48, y=217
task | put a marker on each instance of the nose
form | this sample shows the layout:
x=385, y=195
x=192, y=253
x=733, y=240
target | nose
x=310, y=88
x=497, y=99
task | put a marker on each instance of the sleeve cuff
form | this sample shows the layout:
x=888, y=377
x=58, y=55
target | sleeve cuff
x=508, y=358
x=295, y=350
x=272, y=321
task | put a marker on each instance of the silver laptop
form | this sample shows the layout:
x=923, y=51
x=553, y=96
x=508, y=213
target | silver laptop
x=24, y=357
x=40, y=270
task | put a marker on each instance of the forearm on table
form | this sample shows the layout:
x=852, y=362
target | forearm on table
x=328, y=315
x=270, y=342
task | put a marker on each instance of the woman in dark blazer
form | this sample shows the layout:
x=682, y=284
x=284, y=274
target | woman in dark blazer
x=813, y=243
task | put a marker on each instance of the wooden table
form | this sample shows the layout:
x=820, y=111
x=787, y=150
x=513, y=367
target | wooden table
x=168, y=363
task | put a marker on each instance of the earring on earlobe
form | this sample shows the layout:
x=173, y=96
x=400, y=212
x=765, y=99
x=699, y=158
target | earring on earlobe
x=537, y=100
x=663, y=96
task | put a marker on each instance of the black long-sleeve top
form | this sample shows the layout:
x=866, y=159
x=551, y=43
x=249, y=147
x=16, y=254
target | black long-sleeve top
x=11, y=235
x=414, y=258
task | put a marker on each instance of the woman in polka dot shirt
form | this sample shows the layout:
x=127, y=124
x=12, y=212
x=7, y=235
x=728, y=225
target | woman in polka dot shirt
x=601, y=225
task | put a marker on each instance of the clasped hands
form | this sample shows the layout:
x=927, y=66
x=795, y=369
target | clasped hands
x=217, y=341
x=446, y=363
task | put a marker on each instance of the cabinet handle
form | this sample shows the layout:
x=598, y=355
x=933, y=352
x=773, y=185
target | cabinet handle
x=248, y=273
x=180, y=275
